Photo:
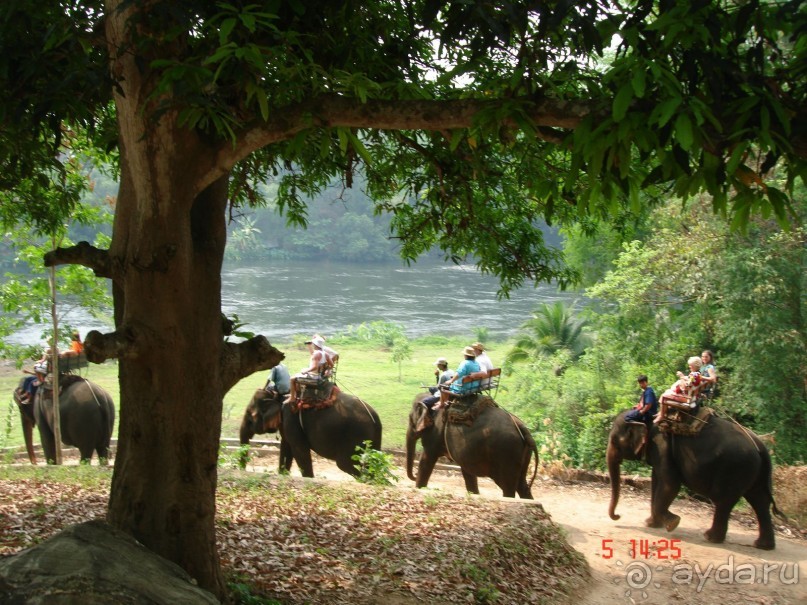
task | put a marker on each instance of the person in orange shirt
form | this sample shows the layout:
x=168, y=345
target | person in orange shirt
x=76, y=346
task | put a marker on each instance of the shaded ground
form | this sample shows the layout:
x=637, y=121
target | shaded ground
x=322, y=541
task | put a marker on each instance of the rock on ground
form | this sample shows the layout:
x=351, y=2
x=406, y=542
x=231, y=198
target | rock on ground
x=95, y=564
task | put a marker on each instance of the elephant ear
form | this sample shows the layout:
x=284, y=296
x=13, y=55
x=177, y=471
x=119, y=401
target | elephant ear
x=637, y=431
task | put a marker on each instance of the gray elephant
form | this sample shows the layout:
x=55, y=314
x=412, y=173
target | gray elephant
x=494, y=444
x=333, y=432
x=723, y=462
x=86, y=419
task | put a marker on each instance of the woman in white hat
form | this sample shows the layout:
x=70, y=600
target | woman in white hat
x=331, y=356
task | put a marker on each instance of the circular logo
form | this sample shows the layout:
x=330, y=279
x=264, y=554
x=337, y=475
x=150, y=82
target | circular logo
x=638, y=575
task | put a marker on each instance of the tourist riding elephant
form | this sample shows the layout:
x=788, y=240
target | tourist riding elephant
x=722, y=462
x=86, y=419
x=495, y=444
x=332, y=432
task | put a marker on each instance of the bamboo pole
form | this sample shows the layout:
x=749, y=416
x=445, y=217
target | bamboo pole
x=54, y=364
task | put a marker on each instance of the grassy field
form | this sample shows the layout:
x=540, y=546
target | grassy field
x=365, y=370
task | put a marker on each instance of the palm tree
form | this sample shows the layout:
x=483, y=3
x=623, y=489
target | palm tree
x=553, y=328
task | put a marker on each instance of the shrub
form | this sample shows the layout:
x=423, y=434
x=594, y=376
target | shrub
x=375, y=468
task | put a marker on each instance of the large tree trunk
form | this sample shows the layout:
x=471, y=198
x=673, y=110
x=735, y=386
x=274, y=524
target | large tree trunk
x=165, y=265
x=167, y=249
x=168, y=304
x=163, y=487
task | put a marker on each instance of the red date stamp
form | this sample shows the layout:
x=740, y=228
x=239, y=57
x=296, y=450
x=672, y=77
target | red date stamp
x=642, y=548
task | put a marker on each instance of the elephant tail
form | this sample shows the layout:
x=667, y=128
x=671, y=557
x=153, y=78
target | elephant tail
x=534, y=470
x=530, y=442
x=767, y=468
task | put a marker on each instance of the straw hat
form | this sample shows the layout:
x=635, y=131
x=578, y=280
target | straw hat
x=441, y=361
x=469, y=352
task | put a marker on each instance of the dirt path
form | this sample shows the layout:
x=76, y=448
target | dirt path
x=734, y=573
x=677, y=567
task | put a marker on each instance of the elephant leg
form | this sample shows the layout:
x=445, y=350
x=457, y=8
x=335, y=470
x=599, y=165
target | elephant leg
x=652, y=520
x=760, y=501
x=471, y=483
x=508, y=486
x=285, y=459
x=103, y=455
x=86, y=453
x=303, y=458
x=720, y=521
x=347, y=465
x=665, y=489
x=48, y=443
x=523, y=489
x=425, y=468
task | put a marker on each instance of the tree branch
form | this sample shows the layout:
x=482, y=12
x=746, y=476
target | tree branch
x=336, y=110
x=116, y=345
x=82, y=254
x=239, y=360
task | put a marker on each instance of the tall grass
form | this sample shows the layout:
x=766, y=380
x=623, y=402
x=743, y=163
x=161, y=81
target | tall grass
x=366, y=370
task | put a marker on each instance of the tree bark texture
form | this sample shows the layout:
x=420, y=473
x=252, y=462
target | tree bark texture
x=166, y=253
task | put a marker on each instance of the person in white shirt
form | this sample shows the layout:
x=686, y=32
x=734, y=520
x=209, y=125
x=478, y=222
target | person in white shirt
x=483, y=360
x=317, y=366
x=331, y=356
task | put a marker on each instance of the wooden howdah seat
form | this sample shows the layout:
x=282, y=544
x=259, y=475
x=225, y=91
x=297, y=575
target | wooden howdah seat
x=69, y=364
x=314, y=388
x=681, y=406
x=488, y=382
x=687, y=422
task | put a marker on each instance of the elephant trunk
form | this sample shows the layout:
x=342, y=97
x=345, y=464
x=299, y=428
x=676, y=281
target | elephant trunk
x=411, y=442
x=28, y=434
x=614, y=461
x=247, y=430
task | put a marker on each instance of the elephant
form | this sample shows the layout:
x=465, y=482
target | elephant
x=496, y=444
x=332, y=432
x=86, y=419
x=723, y=462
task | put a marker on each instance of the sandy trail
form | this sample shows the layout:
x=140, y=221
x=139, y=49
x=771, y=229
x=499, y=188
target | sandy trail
x=701, y=573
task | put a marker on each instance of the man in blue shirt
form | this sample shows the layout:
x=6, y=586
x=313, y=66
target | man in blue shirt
x=647, y=407
x=279, y=380
x=455, y=385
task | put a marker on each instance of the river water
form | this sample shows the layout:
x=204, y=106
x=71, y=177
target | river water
x=283, y=298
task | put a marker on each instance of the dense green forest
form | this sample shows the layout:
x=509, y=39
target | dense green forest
x=682, y=282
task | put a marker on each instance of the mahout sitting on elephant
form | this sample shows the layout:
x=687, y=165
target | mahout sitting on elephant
x=333, y=426
x=86, y=418
x=720, y=460
x=482, y=438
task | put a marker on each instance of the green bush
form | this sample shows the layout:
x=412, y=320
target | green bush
x=375, y=468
